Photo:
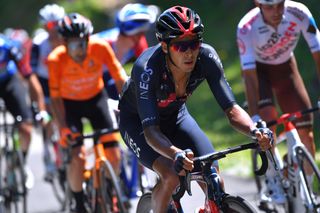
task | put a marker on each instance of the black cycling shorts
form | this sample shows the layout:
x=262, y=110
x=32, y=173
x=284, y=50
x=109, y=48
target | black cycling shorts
x=182, y=131
x=95, y=110
x=15, y=96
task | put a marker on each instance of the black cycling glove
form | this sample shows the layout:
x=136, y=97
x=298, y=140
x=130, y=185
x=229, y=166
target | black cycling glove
x=178, y=160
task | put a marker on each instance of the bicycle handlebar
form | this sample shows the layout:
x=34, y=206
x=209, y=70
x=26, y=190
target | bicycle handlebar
x=95, y=135
x=185, y=181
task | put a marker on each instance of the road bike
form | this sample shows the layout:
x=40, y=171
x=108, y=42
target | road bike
x=302, y=193
x=13, y=191
x=134, y=178
x=101, y=186
x=55, y=167
x=216, y=199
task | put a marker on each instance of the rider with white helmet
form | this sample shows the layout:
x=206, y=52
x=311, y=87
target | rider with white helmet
x=43, y=43
x=51, y=13
x=128, y=38
x=267, y=37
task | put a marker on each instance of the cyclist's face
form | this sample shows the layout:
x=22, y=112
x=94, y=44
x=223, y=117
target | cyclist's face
x=77, y=48
x=272, y=14
x=184, y=52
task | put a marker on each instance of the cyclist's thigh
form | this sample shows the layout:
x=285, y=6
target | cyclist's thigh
x=291, y=92
x=265, y=85
x=98, y=112
x=74, y=114
x=15, y=97
x=190, y=136
x=132, y=134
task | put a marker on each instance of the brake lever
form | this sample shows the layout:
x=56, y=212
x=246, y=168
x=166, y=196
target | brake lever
x=187, y=182
x=271, y=157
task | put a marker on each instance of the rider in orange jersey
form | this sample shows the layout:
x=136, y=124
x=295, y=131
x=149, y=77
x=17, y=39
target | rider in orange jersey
x=76, y=90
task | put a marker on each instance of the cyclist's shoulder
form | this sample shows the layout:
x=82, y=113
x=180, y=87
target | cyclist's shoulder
x=40, y=37
x=58, y=53
x=250, y=18
x=208, y=53
x=150, y=58
x=296, y=10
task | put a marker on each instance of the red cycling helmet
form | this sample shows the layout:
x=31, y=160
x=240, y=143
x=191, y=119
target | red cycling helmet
x=177, y=22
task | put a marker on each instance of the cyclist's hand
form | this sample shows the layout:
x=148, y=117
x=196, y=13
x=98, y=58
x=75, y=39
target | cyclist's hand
x=183, y=161
x=64, y=136
x=264, y=136
x=44, y=117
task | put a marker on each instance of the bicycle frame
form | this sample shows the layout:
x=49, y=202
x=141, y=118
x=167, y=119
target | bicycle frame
x=296, y=189
x=210, y=176
x=9, y=188
x=131, y=180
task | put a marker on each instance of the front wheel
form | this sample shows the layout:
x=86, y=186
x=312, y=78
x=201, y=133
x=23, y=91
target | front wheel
x=236, y=204
x=312, y=189
x=109, y=190
x=144, y=203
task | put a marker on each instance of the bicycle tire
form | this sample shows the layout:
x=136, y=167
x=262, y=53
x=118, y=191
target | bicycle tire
x=15, y=191
x=110, y=189
x=236, y=204
x=304, y=157
x=20, y=180
x=144, y=203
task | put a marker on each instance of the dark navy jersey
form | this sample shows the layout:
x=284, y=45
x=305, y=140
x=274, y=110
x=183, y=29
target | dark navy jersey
x=150, y=92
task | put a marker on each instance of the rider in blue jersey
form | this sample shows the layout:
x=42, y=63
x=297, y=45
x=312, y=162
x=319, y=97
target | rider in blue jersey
x=127, y=39
x=14, y=64
x=154, y=120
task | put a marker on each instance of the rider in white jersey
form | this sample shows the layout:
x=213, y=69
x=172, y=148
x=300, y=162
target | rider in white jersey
x=267, y=36
x=261, y=42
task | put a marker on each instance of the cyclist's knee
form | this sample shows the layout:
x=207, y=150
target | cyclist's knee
x=26, y=128
x=268, y=112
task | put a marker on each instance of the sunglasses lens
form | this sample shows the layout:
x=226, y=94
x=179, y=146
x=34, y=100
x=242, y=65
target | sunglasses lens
x=185, y=45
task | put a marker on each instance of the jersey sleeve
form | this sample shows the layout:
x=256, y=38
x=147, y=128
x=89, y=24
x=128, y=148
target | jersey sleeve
x=245, y=47
x=214, y=73
x=115, y=68
x=145, y=80
x=54, y=72
x=310, y=30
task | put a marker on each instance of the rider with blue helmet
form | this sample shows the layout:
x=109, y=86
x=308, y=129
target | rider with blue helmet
x=14, y=63
x=128, y=38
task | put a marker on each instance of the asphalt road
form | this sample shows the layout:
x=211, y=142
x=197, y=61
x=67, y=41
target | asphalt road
x=42, y=200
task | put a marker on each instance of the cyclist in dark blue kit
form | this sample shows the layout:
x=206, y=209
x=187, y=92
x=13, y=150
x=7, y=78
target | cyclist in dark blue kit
x=154, y=120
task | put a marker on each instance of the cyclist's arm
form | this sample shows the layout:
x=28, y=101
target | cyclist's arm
x=55, y=76
x=159, y=142
x=316, y=57
x=58, y=111
x=240, y=119
x=36, y=91
x=251, y=90
x=116, y=70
